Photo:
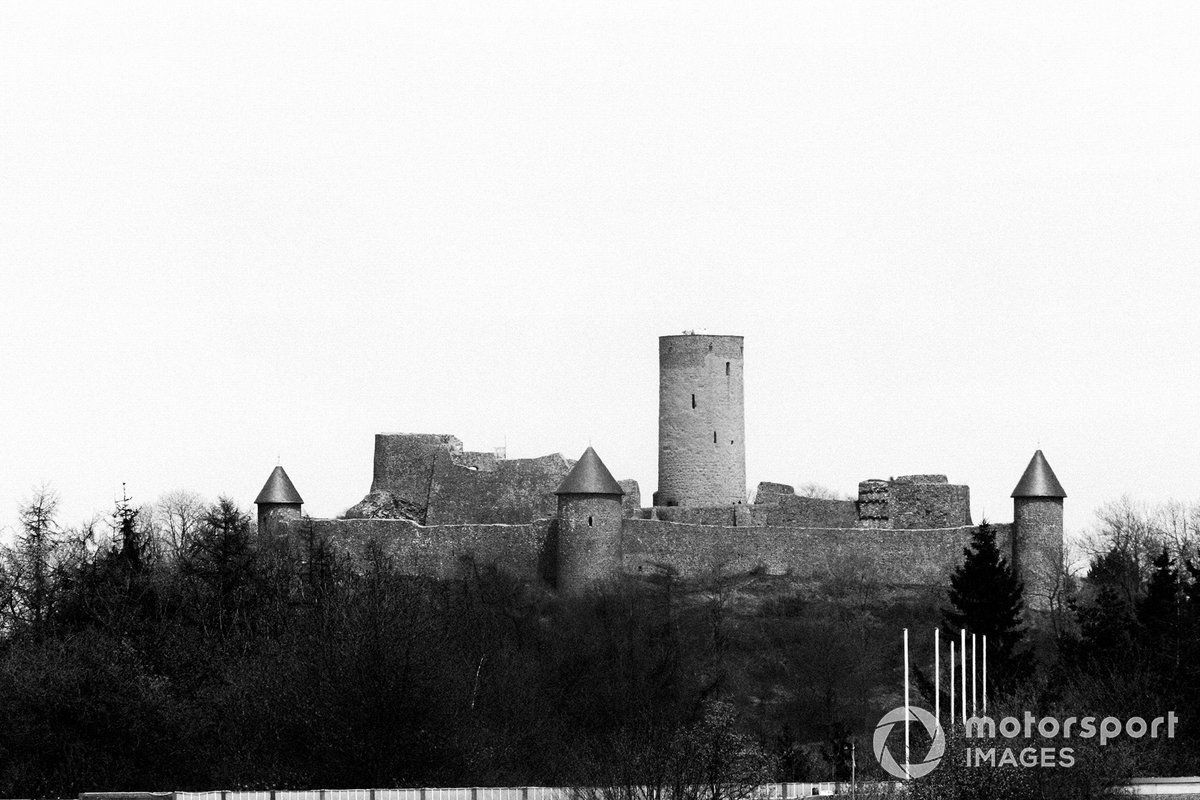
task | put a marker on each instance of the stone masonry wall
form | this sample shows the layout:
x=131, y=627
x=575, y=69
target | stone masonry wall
x=777, y=504
x=694, y=551
x=516, y=492
x=442, y=551
x=430, y=479
x=929, y=505
x=903, y=557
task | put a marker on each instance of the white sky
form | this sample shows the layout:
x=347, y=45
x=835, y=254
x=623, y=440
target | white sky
x=949, y=232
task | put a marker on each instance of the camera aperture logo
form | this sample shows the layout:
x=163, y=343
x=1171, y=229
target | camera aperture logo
x=976, y=728
x=937, y=745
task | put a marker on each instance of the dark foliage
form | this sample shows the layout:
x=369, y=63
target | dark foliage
x=986, y=599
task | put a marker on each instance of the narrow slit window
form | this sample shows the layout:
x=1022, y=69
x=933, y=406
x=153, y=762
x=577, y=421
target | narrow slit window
x=589, y=522
x=714, y=437
x=693, y=401
x=726, y=369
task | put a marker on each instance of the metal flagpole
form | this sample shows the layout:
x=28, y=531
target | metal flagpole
x=985, y=673
x=974, y=661
x=937, y=678
x=906, y=712
x=962, y=657
x=951, y=715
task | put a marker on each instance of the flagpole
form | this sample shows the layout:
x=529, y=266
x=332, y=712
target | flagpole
x=962, y=657
x=906, y=713
x=951, y=716
x=937, y=678
x=974, y=661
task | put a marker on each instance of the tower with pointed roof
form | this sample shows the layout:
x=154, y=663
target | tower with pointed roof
x=1038, y=532
x=589, y=525
x=278, y=501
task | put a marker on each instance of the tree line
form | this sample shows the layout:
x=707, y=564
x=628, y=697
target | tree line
x=174, y=647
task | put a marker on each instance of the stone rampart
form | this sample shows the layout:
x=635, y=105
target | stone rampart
x=650, y=546
x=441, y=551
x=902, y=557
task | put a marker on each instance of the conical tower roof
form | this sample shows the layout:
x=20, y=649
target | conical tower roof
x=278, y=489
x=589, y=476
x=1039, y=480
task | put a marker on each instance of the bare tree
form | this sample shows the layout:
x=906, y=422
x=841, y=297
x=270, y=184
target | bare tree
x=820, y=492
x=177, y=517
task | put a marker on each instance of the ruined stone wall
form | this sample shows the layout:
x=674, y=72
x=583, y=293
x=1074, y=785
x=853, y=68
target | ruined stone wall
x=777, y=504
x=430, y=479
x=631, y=501
x=701, y=421
x=441, y=551
x=695, y=551
x=913, y=502
x=517, y=491
x=929, y=504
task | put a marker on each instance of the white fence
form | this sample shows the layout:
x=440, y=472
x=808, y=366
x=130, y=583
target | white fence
x=772, y=791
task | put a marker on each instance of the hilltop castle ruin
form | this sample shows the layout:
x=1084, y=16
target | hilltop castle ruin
x=571, y=524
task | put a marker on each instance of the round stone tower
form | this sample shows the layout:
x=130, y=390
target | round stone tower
x=701, y=421
x=589, y=525
x=278, y=501
x=1038, y=532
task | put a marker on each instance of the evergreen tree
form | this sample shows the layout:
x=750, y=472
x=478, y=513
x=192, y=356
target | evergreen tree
x=29, y=566
x=1109, y=630
x=1108, y=621
x=987, y=599
x=1158, y=615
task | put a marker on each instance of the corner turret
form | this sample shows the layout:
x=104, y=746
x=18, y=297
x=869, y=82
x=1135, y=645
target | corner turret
x=277, y=502
x=589, y=525
x=1038, y=533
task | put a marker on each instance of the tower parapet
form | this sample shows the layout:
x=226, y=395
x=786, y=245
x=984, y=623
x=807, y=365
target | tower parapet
x=701, y=421
x=278, y=501
x=589, y=525
x=1038, y=532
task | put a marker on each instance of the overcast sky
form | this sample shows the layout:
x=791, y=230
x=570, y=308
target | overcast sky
x=951, y=233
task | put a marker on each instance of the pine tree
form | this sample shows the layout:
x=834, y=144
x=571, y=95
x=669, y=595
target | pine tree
x=1109, y=627
x=1159, y=613
x=987, y=599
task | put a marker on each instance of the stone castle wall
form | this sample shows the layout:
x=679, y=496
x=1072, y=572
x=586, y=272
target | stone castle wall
x=647, y=546
x=440, y=551
x=928, y=501
x=430, y=479
x=914, y=556
x=701, y=421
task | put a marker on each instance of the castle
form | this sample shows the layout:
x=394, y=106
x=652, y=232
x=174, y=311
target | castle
x=438, y=508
